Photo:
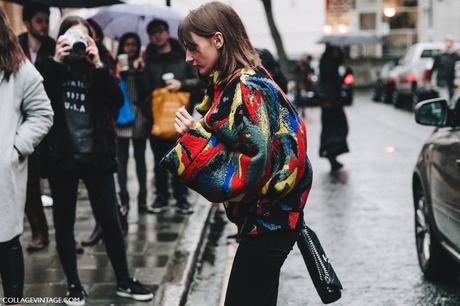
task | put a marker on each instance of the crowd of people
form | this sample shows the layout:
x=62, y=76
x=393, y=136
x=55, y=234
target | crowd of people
x=79, y=110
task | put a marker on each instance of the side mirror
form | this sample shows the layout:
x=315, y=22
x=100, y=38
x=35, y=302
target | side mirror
x=434, y=112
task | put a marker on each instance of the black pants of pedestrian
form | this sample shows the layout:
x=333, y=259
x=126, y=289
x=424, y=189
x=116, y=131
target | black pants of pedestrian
x=256, y=269
x=141, y=171
x=12, y=268
x=34, y=206
x=102, y=196
x=160, y=147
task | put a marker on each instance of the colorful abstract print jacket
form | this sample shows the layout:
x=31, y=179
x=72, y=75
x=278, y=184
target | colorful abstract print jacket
x=249, y=151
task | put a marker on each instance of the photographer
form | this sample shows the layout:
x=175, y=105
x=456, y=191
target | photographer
x=81, y=145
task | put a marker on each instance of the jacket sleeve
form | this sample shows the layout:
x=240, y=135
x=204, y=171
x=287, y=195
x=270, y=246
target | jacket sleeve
x=226, y=157
x=36, y=110
x=107, y=89
x=434, y=68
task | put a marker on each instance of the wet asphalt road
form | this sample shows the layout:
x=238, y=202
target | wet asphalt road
x=363, y=217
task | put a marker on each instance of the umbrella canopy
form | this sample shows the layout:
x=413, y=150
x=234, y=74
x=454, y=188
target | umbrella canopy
x=122, y=18
x=349, y=39
x=70, y=3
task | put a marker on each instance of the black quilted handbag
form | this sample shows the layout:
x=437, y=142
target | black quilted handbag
x=322, y=274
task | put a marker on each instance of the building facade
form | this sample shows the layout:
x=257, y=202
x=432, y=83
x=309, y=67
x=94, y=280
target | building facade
x=14, y=13
x=438, y=18
x=396, y=21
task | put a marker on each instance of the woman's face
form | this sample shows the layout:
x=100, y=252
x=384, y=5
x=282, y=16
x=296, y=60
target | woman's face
x=130, y=48
x=204, y=53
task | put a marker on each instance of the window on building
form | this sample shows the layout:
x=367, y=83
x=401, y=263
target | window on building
x=400, y=3
x=402, y=20
x=367, y=21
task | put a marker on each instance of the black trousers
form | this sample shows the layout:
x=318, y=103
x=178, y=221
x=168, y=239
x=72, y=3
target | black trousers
x=102, y=195
x=34, y=206
x=141, y=170
x=12, y=268
x=256, y=269
x=160, y=148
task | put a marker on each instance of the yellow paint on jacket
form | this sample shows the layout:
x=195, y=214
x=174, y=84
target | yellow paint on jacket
x=290, y=181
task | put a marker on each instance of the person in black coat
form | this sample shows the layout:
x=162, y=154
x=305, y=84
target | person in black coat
x=37, y=46
x=334, y=121
x=82, y=145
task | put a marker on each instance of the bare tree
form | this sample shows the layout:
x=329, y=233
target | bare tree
x=283, y=59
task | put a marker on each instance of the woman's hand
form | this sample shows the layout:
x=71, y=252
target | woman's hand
x=173, y=85
x=139, y=64
x=184, y=121
x=93, y=52
x=62, y=49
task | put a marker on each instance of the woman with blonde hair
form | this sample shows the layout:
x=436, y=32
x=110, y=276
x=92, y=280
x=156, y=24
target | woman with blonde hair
x=248, y=151
x=25, y=118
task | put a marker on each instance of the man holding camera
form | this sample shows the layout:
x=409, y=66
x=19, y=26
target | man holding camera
x=166, y=68
x=37, y=45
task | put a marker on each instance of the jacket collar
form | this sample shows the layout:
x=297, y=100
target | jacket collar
x=216, y=86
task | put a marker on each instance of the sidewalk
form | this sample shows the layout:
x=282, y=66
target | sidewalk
x=161, y=251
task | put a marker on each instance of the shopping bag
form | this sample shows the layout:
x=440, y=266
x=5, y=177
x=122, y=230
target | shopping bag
x=165, y=104
x=125, y=114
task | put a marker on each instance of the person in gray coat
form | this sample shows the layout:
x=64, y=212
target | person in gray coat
x=25, y=118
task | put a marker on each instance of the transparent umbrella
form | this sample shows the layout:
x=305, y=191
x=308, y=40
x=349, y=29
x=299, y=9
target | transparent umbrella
x=119, y=19
x=349, y=39
x=70, y=3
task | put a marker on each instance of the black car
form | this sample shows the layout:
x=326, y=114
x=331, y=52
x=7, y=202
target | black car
x=436, y=192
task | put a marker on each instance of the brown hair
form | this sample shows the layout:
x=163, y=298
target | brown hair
x=11, y=54
x=237, y=51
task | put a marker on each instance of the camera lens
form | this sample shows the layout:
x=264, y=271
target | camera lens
x=79, y=48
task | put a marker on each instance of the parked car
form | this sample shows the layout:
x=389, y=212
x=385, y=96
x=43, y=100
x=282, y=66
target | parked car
x=436, y=191
x=310, y=98
x=411, y=76
x=348, y=82
x=385, y=84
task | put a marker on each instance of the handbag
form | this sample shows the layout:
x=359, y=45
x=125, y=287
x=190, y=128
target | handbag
x=322, y=274
x=125, y=114
x=164, y=107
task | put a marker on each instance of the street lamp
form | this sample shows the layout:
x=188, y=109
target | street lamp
x=343, y=29
x=389, y=12
x=327, y=29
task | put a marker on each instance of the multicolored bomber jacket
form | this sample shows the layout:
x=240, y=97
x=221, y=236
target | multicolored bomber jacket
x=249, y=151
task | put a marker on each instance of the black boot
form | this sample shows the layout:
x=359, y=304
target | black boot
x=335, y=165
x=94, y=238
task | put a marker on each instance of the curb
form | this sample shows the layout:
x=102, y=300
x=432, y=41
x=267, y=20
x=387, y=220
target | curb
x=181, y=266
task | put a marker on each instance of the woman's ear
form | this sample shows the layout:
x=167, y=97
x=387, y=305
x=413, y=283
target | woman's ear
x=218, y=39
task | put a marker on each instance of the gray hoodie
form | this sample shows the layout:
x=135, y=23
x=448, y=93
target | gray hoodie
x=25, y=118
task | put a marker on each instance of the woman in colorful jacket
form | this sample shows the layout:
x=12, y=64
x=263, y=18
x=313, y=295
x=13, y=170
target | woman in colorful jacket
x=248, y=151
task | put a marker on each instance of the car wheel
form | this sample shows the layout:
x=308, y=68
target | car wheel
x=397, y=99
x=434, y=262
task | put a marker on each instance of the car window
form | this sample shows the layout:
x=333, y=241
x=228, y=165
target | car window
x=430, y=53
x=409, y=55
